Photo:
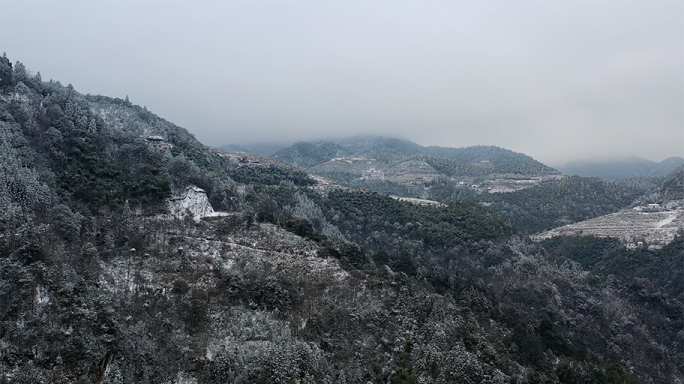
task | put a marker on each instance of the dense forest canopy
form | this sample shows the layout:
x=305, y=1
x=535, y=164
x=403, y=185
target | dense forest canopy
x=561, y=202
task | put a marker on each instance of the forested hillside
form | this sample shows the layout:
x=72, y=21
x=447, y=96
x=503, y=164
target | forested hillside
x=526, y=193
x=403, y=168
x=672, y=188
x=304, y=154
x=560, y=202
x=295, y=282
x=607, y=256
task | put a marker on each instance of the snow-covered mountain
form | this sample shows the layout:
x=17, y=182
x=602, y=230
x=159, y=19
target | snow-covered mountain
x=116, y=268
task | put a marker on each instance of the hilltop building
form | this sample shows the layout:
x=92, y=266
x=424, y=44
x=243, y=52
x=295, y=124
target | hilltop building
x=158, y=142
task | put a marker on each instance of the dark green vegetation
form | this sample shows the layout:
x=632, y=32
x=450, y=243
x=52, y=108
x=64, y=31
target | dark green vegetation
x=466, y=174
x=456, y=168
x=397, y=156
x=270, y=175
x=298, y=283
x=305, y=154
x=560, y=202
x=605, y=256
x=436, y=227
x=407, y=167
x=672, y=188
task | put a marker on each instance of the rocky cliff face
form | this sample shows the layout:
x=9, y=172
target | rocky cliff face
x=193, y=203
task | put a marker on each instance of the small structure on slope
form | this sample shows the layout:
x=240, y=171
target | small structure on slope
x=157, y=142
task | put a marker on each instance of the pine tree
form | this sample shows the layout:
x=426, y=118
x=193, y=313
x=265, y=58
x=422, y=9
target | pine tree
x=6, y=74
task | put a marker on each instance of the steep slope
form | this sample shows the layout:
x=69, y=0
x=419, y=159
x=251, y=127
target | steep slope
x=294, y=283
x=667, y=166
x=605, y=256
x=672, y=188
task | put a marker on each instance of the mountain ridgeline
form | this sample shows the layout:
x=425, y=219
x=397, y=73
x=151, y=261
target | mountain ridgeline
x=114, y=269
x=623, y=169
x=388, y=150
x=403, y=168
x=529, y=195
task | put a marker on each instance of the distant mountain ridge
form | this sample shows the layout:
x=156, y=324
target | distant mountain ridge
x=307, y=154
x=257, y=148
x=401, y=167
x=622, y=169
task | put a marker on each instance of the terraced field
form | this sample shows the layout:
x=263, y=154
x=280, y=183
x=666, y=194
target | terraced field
x=634, y=227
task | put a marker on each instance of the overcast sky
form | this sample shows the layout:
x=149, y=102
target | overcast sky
x=557, y=80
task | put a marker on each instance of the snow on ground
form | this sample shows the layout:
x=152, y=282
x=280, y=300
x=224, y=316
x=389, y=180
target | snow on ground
x=417, y=201
x=265, y=245
x=193, y=202
x=633, y=227
x=669, y=219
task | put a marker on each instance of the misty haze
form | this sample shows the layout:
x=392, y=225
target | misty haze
x=559, y=81
x=341, y=192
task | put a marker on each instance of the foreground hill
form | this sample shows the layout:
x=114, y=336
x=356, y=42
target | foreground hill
x=114, y=269
x=623, y=169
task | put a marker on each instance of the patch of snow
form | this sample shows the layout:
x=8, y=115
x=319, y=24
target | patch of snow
x=193, y=202
x=184, y=378
x=671, y=217
x=41, y=296
x=417, y=201
x=633, y=227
